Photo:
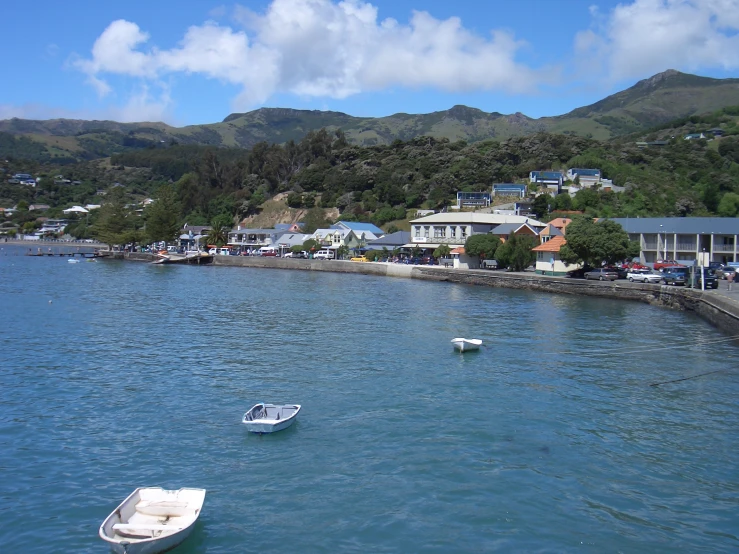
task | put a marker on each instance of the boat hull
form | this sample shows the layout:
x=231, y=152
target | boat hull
x=465, y=345
x=151, y=520
x=262, y=418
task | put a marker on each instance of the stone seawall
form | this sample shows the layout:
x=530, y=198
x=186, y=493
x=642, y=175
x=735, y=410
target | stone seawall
x=718, y=310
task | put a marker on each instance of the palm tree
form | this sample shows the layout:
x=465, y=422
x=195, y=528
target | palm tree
x=217, y=236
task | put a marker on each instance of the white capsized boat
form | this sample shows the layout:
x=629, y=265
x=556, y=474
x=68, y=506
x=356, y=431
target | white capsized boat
x=463, y=345
x=270, y=418
x=152, y=520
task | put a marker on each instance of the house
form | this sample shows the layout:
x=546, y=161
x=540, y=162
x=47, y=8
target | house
x=551, y=180
x=250, y=239
x=452, y=229
x=547, y=258
x=683, y=238
x=358, y=227
x=285, y=240
x=514, y=208
x=292, y=227
x=586, y=177
x=334, y=238
x=38, y=207
x=504, y=230
x=560, y=223
x=510, y=189
x=549, y=232
x=52, y=227
x=716, y=132
x=473, y=199
x=424, y=213
x=694, y=136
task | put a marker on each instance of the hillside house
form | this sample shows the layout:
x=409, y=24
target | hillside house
x=551, y=180
x=516, y=190
x=473, y=199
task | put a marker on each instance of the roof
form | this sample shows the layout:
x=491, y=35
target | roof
x=458, y=250
x=506, y=229
x=552, y=245
x=680, y=225
x=551, y=231
x=560, y=222
x=251, y=231
x=508, y=186
x=357, y=226
x=466, y=218
x=585, y=172
x=546, y=175
x=393, y=240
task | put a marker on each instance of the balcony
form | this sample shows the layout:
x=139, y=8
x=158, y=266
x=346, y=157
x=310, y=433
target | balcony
x=646, y=245
x=686, y=247
x=723, y=248
x=439, y=240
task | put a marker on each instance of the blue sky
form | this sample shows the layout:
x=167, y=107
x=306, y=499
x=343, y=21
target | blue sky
x=194, y=61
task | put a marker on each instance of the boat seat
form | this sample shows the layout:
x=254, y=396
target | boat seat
x=143, y=529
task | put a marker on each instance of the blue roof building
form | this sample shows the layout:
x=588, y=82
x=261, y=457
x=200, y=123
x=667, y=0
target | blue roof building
x=358, y=227
x=509, y=189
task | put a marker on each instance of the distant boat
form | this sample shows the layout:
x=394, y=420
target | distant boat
x=463, y=345
x=73, y=261
x=270, y=418
x=152, y=520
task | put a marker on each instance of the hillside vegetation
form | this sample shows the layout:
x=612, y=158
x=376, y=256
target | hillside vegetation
x=654, y=101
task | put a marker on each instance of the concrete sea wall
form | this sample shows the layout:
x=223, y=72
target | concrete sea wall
x=718, y=310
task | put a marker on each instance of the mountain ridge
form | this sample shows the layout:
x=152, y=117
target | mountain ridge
x=660, y=98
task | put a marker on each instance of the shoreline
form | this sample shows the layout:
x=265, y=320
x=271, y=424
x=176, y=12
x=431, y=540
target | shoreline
x=718, y=307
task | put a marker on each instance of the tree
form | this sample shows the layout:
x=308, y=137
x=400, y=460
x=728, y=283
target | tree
x=515, y=253
x=729, y=205
x=163, y=216
x=442, y=252
x=311, y=244
x=541, y=204
x=112, y=221
x=483, y=246
x=217, y=236
x=596, y=243
x=314, y=219
x=342, y=251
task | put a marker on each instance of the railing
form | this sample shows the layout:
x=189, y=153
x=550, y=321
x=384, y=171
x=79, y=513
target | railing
x=649, y=245
x=439, y=240
x=723, y=248
x=687, y=246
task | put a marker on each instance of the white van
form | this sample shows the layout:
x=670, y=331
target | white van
x=324, y=255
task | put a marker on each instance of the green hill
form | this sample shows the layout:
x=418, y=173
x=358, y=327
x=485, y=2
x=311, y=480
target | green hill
x=657, y=100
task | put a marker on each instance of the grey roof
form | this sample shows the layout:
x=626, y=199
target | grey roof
x=390, y=241
x=508, y=228
x=680, y=225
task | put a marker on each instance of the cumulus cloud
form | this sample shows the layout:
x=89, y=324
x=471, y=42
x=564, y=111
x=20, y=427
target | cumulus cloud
x=319, y=48
x=648, y=36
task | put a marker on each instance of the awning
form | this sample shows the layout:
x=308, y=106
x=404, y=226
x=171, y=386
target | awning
x=421, y=245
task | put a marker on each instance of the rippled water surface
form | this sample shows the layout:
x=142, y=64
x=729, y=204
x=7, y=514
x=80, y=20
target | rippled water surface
x=116, y=375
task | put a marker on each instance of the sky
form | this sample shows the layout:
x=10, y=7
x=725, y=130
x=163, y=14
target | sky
x=194, y=61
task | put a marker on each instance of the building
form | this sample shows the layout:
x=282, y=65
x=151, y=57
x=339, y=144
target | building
x=452, y=229
x=683, y=238
x=517, y=190
x=586, y=177
x=473, y=199
x=694, y=136
x=359, y=228
x=547, y=257
x=393, y=241
x=504, y=230
x=38, y=207
x=551, y=180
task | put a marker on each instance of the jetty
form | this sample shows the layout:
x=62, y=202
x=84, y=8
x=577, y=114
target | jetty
x=195, y=258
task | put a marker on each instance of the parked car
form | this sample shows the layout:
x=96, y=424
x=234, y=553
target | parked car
x=359, y=259
x=661, y=264
x=725, y=270
x=643, y=276
x=602, y=274
x=428, y=260
x=711, y=280
x=579, y=273
x=324, y=255
x=675, y=275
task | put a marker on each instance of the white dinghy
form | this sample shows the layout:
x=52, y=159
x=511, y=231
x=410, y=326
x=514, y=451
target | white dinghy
x=270, y=418
x=152, y=520
x=463, y=345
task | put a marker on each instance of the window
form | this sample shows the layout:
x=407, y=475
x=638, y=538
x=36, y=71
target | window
x=452, y=232
x=426, y=231
x=463, y=232
x=418, y=231
x=439, y=232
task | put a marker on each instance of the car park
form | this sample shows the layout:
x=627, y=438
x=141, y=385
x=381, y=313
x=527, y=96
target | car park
x=602, y=274
x=643, y=276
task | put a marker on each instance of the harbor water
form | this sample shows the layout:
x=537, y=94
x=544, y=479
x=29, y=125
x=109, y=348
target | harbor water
x=550, y=438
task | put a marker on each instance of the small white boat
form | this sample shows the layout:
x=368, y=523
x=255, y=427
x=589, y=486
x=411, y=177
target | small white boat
x=73, y=261
x=270, y=418
x=152, y=520
x=463, y=345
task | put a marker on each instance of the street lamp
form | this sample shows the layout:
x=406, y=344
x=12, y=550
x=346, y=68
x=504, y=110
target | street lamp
x=665, y=243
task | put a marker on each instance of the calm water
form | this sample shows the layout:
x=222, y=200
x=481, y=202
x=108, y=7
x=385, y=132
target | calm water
x=550, y=439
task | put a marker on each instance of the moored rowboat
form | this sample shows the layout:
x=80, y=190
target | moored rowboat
x=152, y=520
x=463, y=345
x=270, y=418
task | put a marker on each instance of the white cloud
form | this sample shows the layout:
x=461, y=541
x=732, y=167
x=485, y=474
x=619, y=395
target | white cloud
x=319, y=48
x=648, y=36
